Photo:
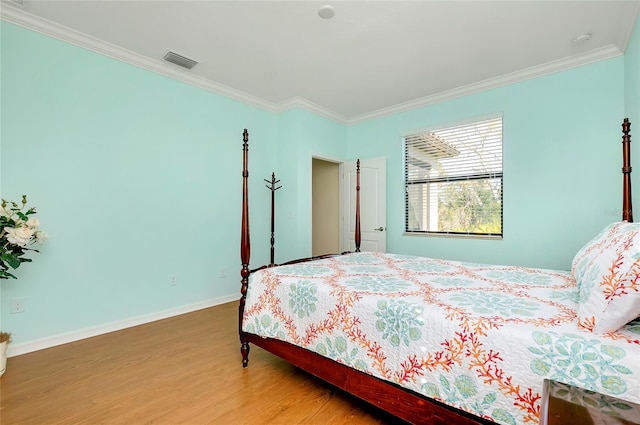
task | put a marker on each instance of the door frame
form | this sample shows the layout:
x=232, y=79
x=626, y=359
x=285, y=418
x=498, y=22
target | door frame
x=340, y=195
x=343, y=243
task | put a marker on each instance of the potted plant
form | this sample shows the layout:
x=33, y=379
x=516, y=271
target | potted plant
x=18, y=230
x=5, y=339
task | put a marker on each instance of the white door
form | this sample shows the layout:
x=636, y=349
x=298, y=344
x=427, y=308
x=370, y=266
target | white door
x=373, y=205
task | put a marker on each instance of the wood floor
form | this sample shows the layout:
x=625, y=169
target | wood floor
x=182, y=370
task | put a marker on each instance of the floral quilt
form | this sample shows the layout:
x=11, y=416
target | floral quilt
x=480, y=338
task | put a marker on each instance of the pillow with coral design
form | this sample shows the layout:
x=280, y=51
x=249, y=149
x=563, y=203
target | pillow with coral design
x=584, y=259
x=607, y=272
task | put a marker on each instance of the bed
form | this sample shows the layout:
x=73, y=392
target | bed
x=435, y=341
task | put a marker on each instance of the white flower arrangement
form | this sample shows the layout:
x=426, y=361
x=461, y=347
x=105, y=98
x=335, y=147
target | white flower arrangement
x=18, y=229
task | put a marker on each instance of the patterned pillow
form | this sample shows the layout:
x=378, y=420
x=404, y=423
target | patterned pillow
x=584, y=259
x=607, y=272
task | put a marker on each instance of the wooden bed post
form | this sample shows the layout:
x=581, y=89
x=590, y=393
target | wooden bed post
x=245, y=245
x=358, y=233
x=273, y=189
x=627, y=210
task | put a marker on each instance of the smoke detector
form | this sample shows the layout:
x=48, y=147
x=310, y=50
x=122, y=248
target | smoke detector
x=327, y=12
x=582, y=38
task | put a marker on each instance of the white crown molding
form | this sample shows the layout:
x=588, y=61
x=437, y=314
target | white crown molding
x=625, y=33
x=30, y=21
x=27, y=20
x=606, y=52
x=307, y=105
x=65, y=338
x=77, y=38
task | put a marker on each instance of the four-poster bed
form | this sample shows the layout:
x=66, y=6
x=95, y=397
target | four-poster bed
x=409, y=335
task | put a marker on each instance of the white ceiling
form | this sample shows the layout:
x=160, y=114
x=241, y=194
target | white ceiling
x=371, y=58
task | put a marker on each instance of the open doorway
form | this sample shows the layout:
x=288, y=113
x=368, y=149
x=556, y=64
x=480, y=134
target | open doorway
x=325, y=210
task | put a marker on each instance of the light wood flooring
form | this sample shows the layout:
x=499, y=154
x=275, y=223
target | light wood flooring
x=182, y=370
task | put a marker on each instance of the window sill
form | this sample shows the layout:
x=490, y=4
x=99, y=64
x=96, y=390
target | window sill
x=452, y=235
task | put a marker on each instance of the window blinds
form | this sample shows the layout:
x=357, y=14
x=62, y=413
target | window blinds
x=453, y=179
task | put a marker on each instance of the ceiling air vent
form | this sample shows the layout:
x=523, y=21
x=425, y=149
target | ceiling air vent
x=180, y=60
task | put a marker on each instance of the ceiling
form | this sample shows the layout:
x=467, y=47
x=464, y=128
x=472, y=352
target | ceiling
x=370, y=59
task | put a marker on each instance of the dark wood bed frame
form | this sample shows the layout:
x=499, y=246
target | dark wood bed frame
x=400, y=402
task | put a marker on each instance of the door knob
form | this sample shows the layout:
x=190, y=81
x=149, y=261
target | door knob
x=380, y=229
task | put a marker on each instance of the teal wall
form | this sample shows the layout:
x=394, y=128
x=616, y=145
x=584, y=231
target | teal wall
x=561, y=165
x=137, y=177
x=632, y=104
x=632, y=88
x=301, y=136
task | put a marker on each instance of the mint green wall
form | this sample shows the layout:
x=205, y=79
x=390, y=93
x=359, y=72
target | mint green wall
x=562, y=155
x=301, y=136
x=136, y=177
x=632, y=90
x=632, y=105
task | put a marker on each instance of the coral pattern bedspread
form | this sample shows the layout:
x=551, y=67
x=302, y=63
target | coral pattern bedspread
x=480, y=338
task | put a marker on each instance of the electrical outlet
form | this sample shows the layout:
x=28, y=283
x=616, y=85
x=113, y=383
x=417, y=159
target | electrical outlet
x=17, y=305
x=223, y=273
x=173, y=281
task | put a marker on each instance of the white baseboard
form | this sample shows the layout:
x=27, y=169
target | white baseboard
x=67, y=337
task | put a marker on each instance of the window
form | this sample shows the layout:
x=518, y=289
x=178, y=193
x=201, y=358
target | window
x=453, y=180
